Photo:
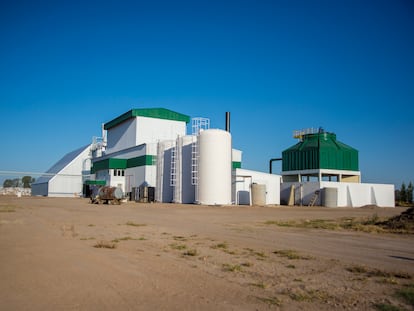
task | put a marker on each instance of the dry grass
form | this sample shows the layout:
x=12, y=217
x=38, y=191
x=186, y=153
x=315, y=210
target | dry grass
x=191, y=252
x=387, y=276
x=291, y=254
x=372, y=224
x=178, y=246
x=131, y=223
x=7, y=209
x=271, y=301
x=105, y=244
x=231, y=268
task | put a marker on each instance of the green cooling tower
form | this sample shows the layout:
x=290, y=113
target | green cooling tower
x=320, y=151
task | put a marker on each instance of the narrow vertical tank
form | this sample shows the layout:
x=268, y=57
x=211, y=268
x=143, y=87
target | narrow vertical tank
x=214, y=167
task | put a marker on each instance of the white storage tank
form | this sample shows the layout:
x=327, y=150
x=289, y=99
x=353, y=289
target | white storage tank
x=214, y=167
x=258, y=194
x=330, y=197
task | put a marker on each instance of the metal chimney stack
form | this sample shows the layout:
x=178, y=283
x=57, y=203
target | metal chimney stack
x=227, y=121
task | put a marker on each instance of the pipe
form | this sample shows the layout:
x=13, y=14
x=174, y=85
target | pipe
x=270, y=163
x=227, y=121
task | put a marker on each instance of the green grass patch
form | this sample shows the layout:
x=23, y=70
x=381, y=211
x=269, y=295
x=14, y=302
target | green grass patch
x=407, y=294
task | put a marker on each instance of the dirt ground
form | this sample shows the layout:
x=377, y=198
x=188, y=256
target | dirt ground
x=67, y=254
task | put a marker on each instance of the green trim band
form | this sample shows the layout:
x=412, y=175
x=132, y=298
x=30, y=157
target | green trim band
x=236, y=165
x=158, y=113
x=95, y=182
x=113, y=163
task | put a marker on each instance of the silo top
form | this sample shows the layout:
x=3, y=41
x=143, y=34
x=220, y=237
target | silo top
x=320, y=151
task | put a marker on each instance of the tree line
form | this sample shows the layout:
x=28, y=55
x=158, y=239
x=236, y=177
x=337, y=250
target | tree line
x=405, y=194
x=25, y=182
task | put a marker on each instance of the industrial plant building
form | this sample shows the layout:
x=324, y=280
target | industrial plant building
x=151, y=157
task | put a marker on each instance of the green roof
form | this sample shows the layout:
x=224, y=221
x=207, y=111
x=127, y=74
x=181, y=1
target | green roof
x=158, y=113
x=320, y=151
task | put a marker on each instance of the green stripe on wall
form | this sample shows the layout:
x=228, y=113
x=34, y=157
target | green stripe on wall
x=236, y=164
x=141, y=161
x=112, y=163
x=95, y=182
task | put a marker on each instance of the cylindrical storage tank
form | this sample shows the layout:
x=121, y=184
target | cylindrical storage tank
x=110, y=193
x=258, y=194
x=214, y=167
x=330, y=197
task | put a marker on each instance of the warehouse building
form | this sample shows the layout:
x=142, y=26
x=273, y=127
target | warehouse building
x=66, y=177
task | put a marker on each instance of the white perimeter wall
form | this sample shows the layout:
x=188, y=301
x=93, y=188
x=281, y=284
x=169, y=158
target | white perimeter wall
x=349, y=194
x=360, y=194
x=242, y=180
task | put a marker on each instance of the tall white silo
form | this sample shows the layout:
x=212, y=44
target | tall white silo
x=184, y=187
x=214, y=167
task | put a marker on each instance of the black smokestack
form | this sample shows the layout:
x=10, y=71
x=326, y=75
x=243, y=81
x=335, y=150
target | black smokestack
x=228, y=121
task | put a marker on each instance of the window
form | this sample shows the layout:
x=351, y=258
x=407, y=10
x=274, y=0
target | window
x=119, y=172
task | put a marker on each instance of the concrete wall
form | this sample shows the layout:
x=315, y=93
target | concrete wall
x=242, y=180
x=349, y=194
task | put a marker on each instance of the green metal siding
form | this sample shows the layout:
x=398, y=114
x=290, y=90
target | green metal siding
x=141, y=161
x=112, y=163
x=236, y=164
x=158, y=113
x=95, y=182
x=320, y=151
x=108, y=164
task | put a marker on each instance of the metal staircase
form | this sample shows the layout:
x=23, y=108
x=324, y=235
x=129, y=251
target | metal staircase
x=314, y=198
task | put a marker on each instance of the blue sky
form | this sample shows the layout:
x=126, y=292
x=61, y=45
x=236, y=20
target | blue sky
x=277, y=66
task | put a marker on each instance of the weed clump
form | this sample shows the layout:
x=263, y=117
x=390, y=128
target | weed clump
x=105, y=244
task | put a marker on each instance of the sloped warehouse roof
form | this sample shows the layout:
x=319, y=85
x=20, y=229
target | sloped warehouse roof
x=41, y=185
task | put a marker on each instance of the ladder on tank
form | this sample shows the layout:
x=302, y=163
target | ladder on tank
x=173, y=170
x=314, y=198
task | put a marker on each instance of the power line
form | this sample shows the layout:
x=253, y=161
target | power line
x=16, y=173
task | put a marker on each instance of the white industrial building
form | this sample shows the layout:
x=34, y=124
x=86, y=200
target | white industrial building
x=65, y=177
x=151, y=148
x=149, y=154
